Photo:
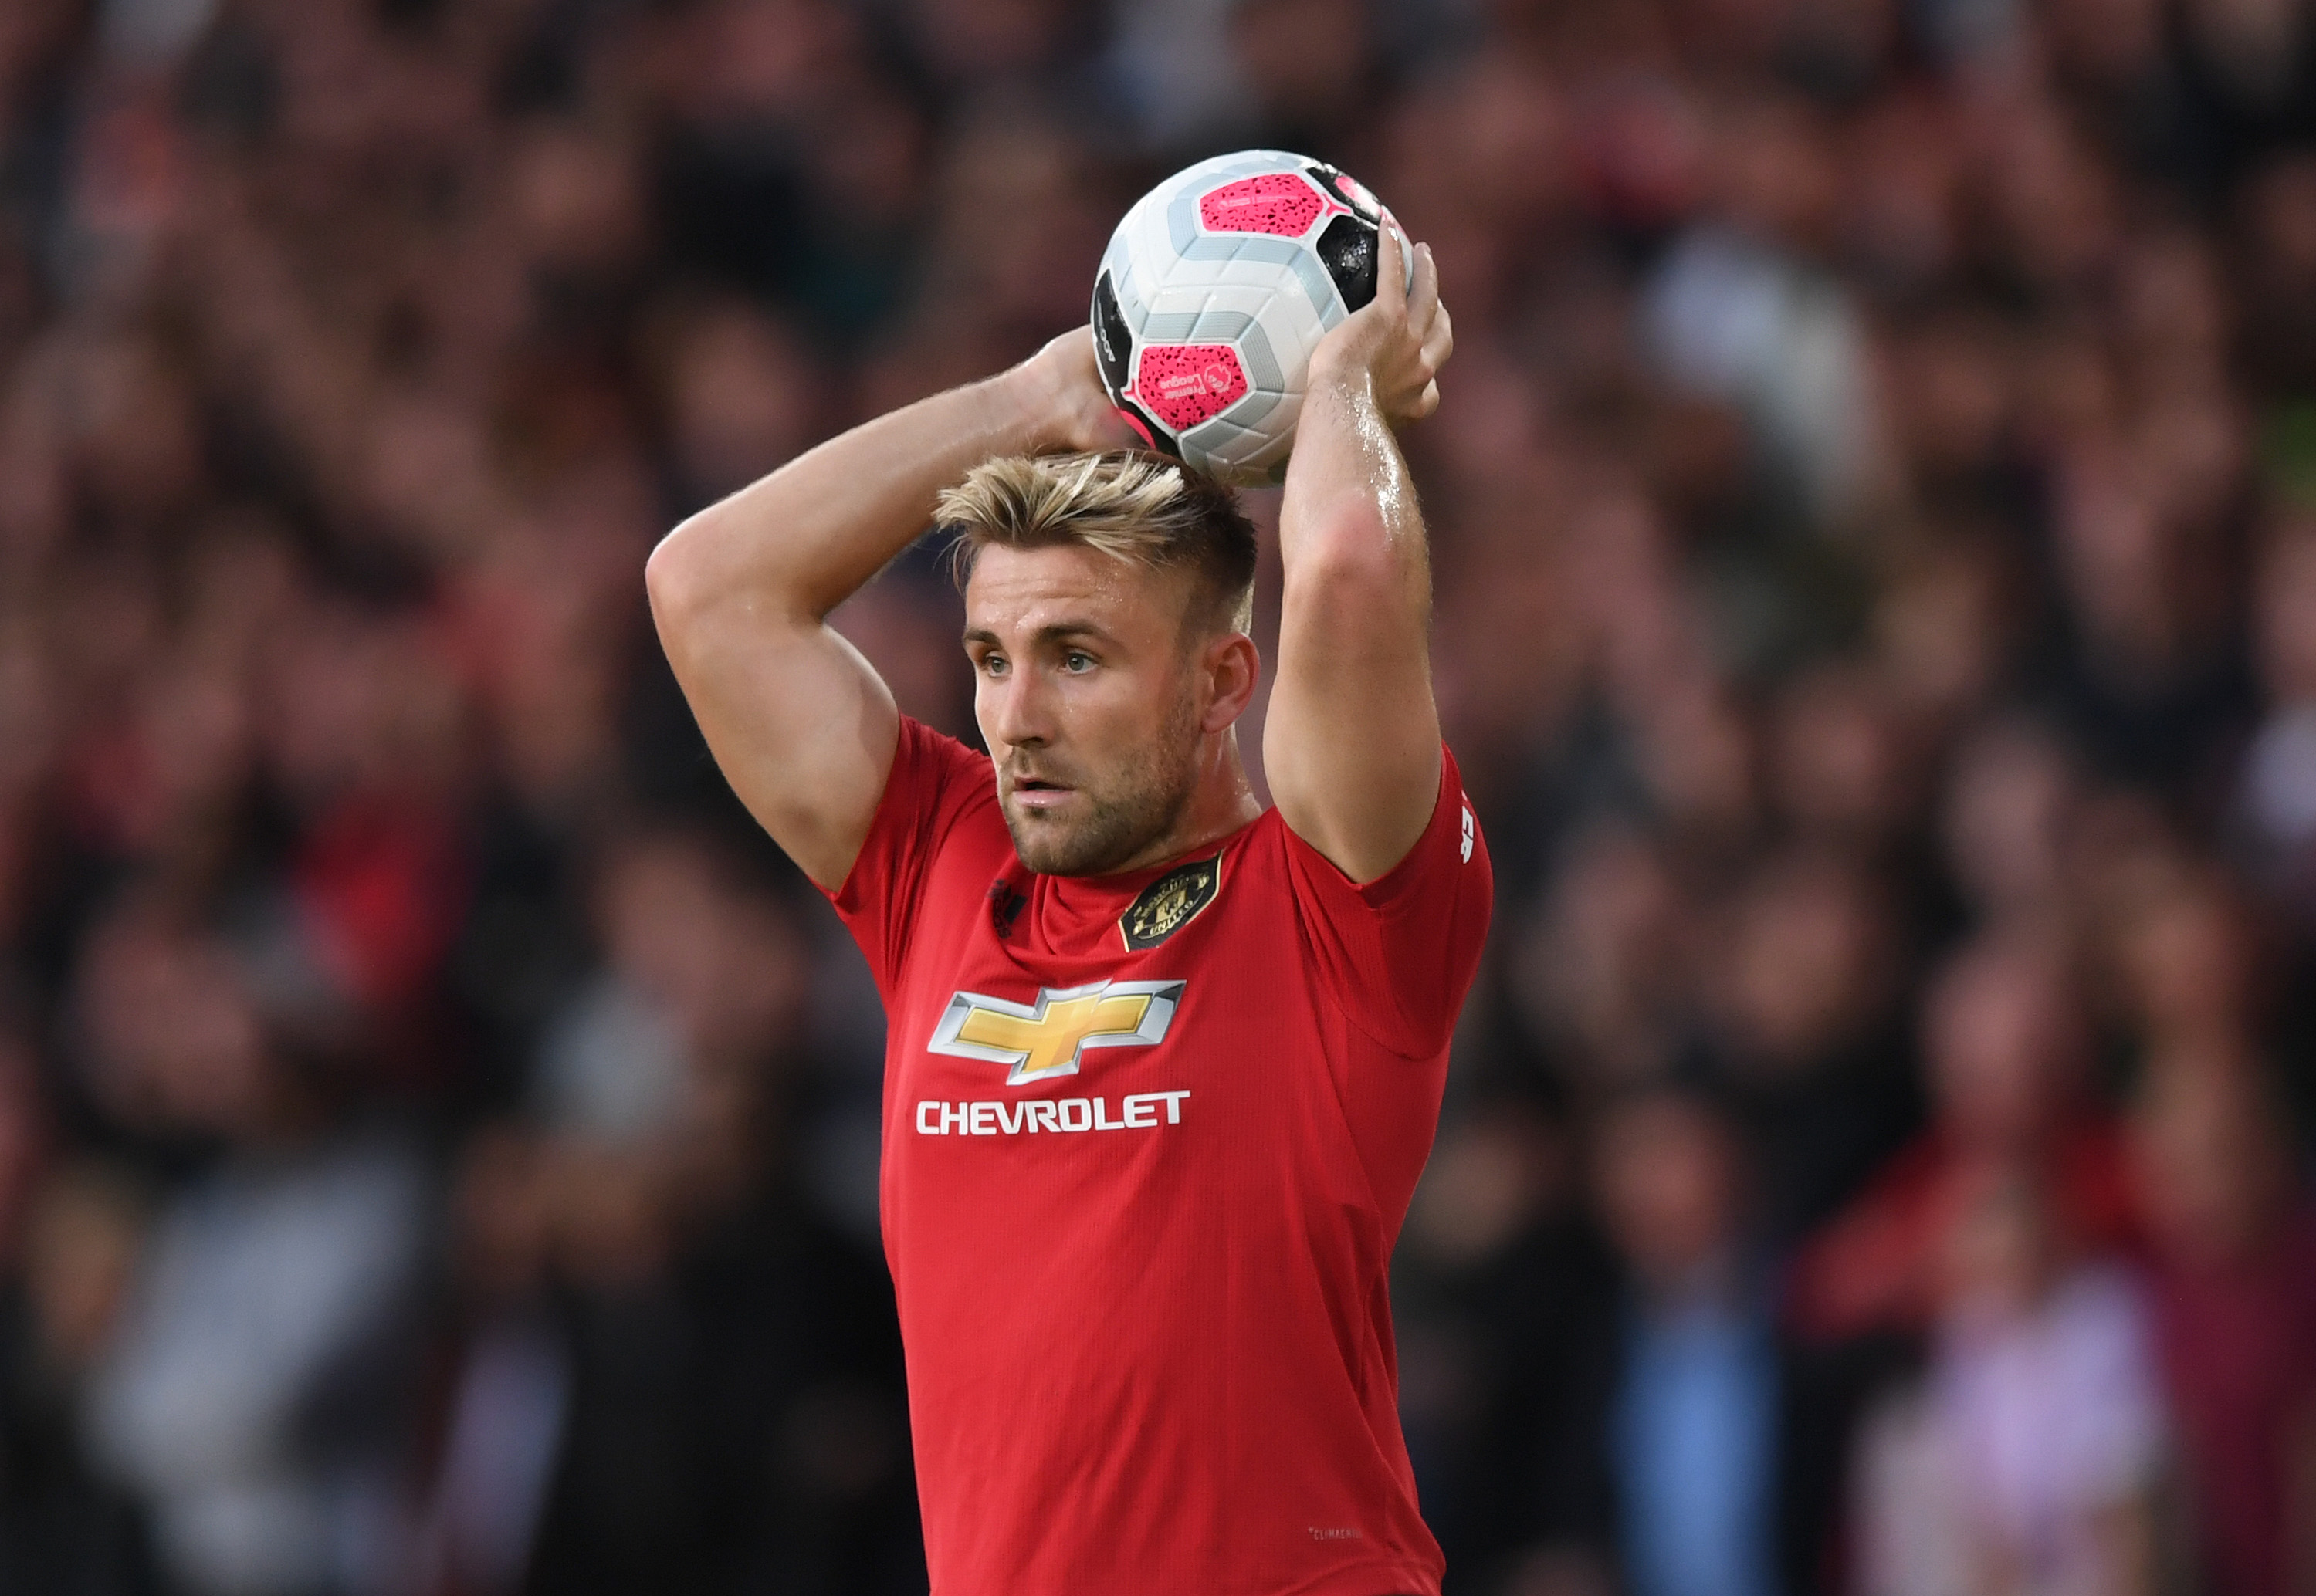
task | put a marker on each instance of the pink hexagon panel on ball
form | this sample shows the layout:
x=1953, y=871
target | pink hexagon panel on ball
x=1185, y=384
x=1276, y=202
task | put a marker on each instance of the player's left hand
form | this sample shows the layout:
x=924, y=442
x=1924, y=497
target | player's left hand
x=1397, y=342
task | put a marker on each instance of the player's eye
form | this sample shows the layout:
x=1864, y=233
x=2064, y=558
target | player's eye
x=1077, y=662
x=992, y=664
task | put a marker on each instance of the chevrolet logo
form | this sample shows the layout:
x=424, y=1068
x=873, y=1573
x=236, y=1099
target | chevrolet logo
x=1049, y=1037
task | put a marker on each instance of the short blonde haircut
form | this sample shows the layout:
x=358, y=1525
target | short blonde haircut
x=1129, y=504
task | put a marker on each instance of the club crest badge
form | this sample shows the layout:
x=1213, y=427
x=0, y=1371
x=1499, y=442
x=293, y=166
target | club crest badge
x=1169, y=903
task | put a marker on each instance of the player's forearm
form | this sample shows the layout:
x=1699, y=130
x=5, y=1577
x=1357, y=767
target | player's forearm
x=797, y=543
x=1350, y=530
x=1351, y=744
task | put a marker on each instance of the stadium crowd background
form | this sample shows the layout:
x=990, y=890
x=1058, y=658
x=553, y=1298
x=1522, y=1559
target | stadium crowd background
x=1874, y=515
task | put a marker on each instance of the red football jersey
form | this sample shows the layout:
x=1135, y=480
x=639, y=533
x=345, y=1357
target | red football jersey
x=1148, y=1142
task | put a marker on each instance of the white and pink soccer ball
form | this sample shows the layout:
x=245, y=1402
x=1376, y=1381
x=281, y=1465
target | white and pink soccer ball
x=1215, y=290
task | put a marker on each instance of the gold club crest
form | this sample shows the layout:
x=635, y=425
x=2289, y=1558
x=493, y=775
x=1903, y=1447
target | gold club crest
x=1169, y=903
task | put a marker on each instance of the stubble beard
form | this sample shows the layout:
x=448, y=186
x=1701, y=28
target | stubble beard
x=1128, y=814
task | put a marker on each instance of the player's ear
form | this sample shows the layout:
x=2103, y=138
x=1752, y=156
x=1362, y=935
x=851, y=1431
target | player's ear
x=1232, y=667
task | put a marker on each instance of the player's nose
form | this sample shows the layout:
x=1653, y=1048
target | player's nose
x=1018, y=712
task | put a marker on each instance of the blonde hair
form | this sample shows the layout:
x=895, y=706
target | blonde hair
x=1134, y=506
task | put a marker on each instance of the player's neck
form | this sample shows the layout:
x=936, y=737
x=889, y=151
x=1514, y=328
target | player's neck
x=1223, y=802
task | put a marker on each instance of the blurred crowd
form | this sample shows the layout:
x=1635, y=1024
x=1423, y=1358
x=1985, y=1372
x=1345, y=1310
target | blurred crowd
x=1874, y=510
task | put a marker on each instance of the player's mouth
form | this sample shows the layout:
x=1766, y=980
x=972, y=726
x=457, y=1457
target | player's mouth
x=1036, y=792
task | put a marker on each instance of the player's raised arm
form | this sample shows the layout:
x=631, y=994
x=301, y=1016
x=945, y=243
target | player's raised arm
x=801, y=726
x=1351, y=743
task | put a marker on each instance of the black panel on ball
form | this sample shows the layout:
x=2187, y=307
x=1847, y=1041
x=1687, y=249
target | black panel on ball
x=1144, y=423
x=1113, y=345
x=1348, y=247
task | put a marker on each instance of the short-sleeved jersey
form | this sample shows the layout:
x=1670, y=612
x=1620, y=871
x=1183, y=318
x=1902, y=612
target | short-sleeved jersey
x=1148, y=1140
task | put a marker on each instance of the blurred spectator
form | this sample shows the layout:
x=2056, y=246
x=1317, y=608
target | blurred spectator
x=477, y=1521
x=1508, y=1339
x=2234, y=1288
x=1693, y=1423
x=69, y=1238
x=2005, y=1052
x=668, y=1366
x=2011, y=794
x=1741, y=310
x=2276, y=805
x=2152, y=683
x=251, y=1386
x=1809, y=1041
x=2029, y=1458
x=1842, y=770
x=1603, y=974
x=70, y=1525
x=2189, y=968
x=737, y=391
x=2277, y=268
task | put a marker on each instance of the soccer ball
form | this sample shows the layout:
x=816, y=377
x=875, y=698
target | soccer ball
x=1215, y=290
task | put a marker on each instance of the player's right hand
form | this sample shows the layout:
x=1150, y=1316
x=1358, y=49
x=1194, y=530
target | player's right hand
x=1398, y=340
x=1063, y=384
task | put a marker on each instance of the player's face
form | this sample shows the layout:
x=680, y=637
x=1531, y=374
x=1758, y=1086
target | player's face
x=1087, y=693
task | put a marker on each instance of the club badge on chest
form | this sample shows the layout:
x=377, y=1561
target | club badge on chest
x=1169, y=903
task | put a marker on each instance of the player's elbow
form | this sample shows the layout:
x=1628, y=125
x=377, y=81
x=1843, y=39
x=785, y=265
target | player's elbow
x=1358, y=572
x=671, y=577
x=692, y=573
x=717, y=564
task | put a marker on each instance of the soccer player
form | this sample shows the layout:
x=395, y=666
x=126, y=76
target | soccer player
x=1162, y=1066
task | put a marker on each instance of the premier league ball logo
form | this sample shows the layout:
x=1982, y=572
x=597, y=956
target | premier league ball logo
x=1212, y=292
